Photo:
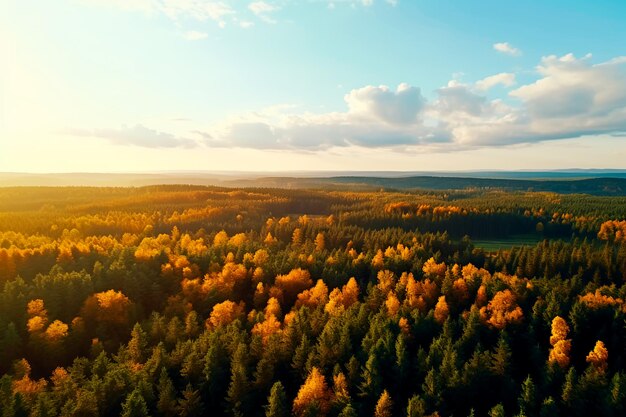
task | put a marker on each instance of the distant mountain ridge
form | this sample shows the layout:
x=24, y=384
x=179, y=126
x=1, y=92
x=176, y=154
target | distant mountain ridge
x=594, y=182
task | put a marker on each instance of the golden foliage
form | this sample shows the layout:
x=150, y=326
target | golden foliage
x=273, y=307
x=420, y=294
x=261, y=256
x=561, y=346
x=386, y=280
x=220, y=239
x=56, y=331
x=313, y=393
x=340, y=387
x=502, y=310
x=613, y=230
x=267, y=328
x=269, y=239
x=313, y=297
x=36, y=308
x=392, y=304
x=384, y=406
x=225, y=313
x=378, y=261
x=24, y=384
x=320, y=242
x=441, y=310
x=291, y=284
x=403, y=323
x=559, y=353
x=599, y=356
x=36, y=324
x=598, y=300
x=433, y=269
x=560, y=329
x=339, y=300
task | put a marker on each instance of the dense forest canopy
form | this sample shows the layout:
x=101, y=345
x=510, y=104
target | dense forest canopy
x=191, y=300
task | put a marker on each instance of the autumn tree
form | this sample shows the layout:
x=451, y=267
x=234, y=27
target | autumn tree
x=224, y=313
x=502, y=310
x=314, y=396
x=598, y=357
x=441, y=310
x=561, y=346
x=384, y=406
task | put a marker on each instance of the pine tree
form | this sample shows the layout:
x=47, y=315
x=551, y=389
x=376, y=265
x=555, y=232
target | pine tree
x=549, y=408
x=137, y=344
x=166, y=405
x=135, y=405
x=348, y=411
x=191, y=403
x=416, y=407
x=277, y=402
x=239, y=384
x=497, y=411
x=526, y=400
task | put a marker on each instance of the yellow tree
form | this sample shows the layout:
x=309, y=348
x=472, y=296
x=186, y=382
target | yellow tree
x=561, y=346
x=314, y=396
x=320, y=242
x=502, y=310
x=599, y=356
x=384, y=406
x=224, y=313
x=441, y=310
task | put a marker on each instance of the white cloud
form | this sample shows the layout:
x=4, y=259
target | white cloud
x=383, y=105
x=246, y=24
x=507, y=48
x=263, y=10
x=137, y=135
x=570, y=98
x=506, y=79
x=193, y=35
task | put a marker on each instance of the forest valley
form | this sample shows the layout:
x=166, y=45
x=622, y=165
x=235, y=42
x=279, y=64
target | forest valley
x=193, y=301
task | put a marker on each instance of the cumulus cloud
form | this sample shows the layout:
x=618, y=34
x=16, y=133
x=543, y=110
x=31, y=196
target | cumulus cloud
x=569, y=98
x=381, y=104
x=137, y=135
x=507, y=48
x=506, y=79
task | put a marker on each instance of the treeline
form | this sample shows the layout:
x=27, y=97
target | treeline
x=244, y=303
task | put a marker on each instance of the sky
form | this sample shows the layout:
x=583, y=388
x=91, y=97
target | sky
x=284, y=85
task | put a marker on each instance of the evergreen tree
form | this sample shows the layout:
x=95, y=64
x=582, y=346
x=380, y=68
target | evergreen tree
x=135, y=405
x=166, y=404
x=277, y=402
x=416, y=407
x=190, y=405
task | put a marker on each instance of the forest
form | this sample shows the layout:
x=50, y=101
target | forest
x=180, y=300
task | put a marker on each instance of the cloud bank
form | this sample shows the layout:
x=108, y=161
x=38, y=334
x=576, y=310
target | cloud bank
x=569, y=98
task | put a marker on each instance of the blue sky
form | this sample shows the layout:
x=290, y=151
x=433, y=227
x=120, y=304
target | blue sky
x=145, y=85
